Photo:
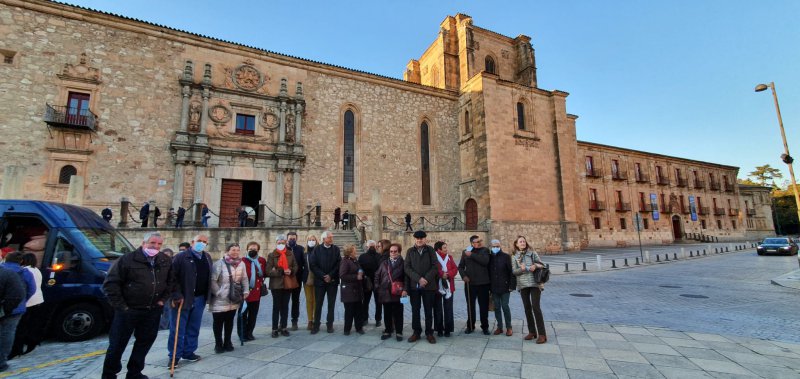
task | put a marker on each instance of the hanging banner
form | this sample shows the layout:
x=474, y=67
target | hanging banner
x=654, y=204
x=692, y=208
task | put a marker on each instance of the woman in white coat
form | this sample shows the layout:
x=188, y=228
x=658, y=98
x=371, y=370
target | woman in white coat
x=229, y=288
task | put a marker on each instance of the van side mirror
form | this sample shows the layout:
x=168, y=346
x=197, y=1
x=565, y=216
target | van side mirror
x=67, y=260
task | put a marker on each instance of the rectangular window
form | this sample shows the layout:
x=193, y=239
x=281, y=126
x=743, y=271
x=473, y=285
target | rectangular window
x=597, y=222
x=589, y=164
x=659, y=174
x=719, y=224
x=733, y=224
x=646, y=223
x=703, y=224
x=615, y=168
x=623, y=224
x=245, y=124
x=8, y=56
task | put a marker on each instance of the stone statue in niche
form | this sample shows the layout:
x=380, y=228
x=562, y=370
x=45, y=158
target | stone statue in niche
x=195, y=108
x=287, y=189
x=290, y=129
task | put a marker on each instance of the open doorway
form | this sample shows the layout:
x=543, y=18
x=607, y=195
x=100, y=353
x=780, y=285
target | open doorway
x=235, y=194
x=676, y=228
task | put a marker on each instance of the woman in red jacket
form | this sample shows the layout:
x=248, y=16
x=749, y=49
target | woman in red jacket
x=443, y=302
x=256, y=267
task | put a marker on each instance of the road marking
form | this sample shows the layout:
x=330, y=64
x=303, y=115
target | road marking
x=52, y=363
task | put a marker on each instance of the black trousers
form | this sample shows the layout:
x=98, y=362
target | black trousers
x=29, y=331
x=295, y=299
x=353, y=312
x=480, y=293
x=280, y=308
x=426, y=299
x=143, y=325
x=249, y=317
x=223, y=320
x=368, y=295
x=531, y=297
x=393, y=318
x=443, y=313
x=328, y=290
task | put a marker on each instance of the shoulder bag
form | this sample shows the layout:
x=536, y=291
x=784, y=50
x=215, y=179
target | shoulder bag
x=397, y=287
x=541, y=275
x=235, y=290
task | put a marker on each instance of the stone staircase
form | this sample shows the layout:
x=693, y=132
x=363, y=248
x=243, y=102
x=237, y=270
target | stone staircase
x=343, y=238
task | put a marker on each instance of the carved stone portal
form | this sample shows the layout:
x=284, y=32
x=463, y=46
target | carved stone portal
x=82, y=71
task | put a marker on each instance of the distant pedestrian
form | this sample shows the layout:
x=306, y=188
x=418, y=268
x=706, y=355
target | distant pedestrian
x=408, y=222
x=183, y=246
x=308, y=281
x=346, y=220
x=179, y=216
x=324, y=263
x=281, y=269
x=242, y=217
x=443, y=302
x=13, y=294
x=144, y=214
x=156, y=215
x=192, y=270
x=171, y=217
x=389, y=284
x=106, y=213
x=369, y=262
x=421, y=274
x=337, y=217
x=256, y=268
x=205, y=216
x=228, y=290
x=474, y=270
x=524, y=262
x=137, y=286
x=503, y=282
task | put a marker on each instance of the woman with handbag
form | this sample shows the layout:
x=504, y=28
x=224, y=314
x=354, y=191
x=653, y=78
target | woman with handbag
x=389, y=285
x=524, y=262
x=352, y=290
x=228, y=289
x=281, y=269
x=256, y=268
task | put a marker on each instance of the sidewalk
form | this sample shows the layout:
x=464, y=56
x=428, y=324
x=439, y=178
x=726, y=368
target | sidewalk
x=573, y=350
x=791, y=280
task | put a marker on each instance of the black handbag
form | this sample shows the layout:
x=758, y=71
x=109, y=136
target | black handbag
x=541, y=275
x=235, y=290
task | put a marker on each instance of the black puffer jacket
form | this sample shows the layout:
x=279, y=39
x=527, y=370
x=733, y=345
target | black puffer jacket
x=133, y=283
x=476, y=266
x=369, y=263
x=501, y=274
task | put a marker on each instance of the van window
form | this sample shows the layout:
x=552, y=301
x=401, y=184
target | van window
x=64, y=255
x=24, y=233
x=102, y=243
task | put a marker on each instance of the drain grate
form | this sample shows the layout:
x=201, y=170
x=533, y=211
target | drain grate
x=581, y=295
x=694, y=296
x=667, y=286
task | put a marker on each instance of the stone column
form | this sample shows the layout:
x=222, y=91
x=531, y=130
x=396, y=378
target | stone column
x=296, y=195
x=13, y=178
x=279, y=195
x=282, y=124
x=199, y=183
x=377, y=216
x=202, y=138
x=181, y=135
x=177, y=187
x=123, y=212
x=75, y=192
x=298, y=123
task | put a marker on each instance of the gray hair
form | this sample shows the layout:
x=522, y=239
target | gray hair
x=197, y=236
x=325, y=234
x=149, y=235
x=496, y=241
x=281, y=237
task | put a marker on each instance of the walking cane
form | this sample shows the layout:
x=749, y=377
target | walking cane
x=469, y=309
x=175, y=344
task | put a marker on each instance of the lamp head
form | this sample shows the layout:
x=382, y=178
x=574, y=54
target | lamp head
x=761, y=87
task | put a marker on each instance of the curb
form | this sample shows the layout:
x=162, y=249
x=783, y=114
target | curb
x=788, y=280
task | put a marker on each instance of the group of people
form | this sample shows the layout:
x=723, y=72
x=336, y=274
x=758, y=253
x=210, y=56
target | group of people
x=144, y=284
x=20, y=306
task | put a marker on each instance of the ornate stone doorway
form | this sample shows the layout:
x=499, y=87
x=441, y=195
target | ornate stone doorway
x=676, y=228
x=471, y=214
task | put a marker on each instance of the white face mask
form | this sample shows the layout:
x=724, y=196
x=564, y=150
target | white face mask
x=199, y=246
x=281, y=246
x=312, y=243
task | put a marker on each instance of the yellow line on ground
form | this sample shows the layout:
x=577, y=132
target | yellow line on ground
x=52, y=363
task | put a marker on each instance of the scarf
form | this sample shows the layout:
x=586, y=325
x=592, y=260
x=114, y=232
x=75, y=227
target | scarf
x=232, y=261
x=444, y=287
x=282, y=262
x=254, y=265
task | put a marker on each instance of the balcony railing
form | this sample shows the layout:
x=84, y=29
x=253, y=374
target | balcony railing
x=699, y=184
x=686, y=210
x=594, y=172
x=642, y=178
x=728, y=187
x=623, y=207
x=662, y=180
x=702, y=210
x=666, y=208
x=596, y=205
x=66, y=117
x=619, y=175
x=719, y=211
x=751, y=212
x=713, y=185
x=733, y=212
x=682, y=182
x=645, y=207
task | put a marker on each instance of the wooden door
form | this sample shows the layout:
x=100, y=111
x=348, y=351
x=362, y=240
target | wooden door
x=676, y=227
x=231, y=199
x=471, y=213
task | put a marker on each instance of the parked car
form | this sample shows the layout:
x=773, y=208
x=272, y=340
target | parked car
x=74, y=248
x=777, y=245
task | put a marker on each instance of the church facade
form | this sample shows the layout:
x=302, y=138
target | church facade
x=467, y=140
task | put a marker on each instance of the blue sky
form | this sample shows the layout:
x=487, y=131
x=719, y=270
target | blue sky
x=670, y=77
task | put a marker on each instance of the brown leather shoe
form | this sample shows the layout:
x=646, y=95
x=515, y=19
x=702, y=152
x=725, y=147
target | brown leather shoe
x=509, y=332
x=530, y=336
x=542, y=339
x=431, y=338
x=310, y=325
x=413, y=338
x=498, y=331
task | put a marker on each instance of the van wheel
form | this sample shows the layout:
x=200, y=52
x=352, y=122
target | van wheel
x=79, y=322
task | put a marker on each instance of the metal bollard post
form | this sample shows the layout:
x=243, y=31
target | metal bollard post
x=646, y=258
x=704, y=251
x=658, y=258
x=691, y=255
x=566, y=267
x=666, y=257
x=599, y=262
x=626, y=262
x=675, y=256
x=637, y=261
x=613, y=263
x=584, y=266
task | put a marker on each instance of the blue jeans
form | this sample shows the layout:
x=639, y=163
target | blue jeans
x=143, y=325
x=501, y=309
x=8, y=328
x=191, y=320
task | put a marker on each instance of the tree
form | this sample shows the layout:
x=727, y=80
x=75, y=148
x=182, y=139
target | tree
x=747, y=181
x=765, y=173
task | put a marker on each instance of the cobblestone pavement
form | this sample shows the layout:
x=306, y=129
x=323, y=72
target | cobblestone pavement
x=639, y=322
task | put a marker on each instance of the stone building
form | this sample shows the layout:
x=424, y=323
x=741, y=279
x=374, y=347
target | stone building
x=467, y=140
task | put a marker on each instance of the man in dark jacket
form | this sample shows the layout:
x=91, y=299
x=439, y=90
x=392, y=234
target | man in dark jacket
x=15, y=290
x=144, y=214
x=421, y=275
x=324, y=264
x=192, y=270
x=179, y=216
x=302, y=270
x=369, y=262
x=503, y=282
x=107, y=214
x=137, y=286
x=474, y=270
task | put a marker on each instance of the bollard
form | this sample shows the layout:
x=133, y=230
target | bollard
x=683, y=253
x=613, y=263
x=704, y=251
x=646, y=258
x=666, y=257
x=690, y=254
x=599, y=262
x=637, y=261
x=584, y=266
x=726, y=249
x=658, y=258
x=566, y=267
x=675, y=256
x=626, y=262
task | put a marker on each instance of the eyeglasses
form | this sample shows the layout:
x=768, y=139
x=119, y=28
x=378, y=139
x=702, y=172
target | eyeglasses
x=394, y=251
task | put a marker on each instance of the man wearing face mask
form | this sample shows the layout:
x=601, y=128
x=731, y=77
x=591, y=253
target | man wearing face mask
x=503, y=282
x=324, y=263
x=299, y=257
x=137, y=286
x=474, y=270
x=369, y=262
x=192, y=270
x=256, y=268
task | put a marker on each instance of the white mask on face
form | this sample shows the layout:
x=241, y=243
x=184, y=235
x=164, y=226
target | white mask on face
x=281, y=246
x=312, y=243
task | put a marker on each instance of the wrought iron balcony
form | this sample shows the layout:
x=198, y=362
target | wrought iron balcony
x=594, y=172
x=751, y=212
x=623, y=207
x=66, y=117
x=666, y=208
x=646, y=207
x=702, y=210
x=662, y=180
x=699, y=184
x=642, y=178
x=733, y=212
x=618, y=175
x=713, y=185
x=728, y=187
x=596, y=205
x=686, y=210
x=719, y=211
x=683, y=182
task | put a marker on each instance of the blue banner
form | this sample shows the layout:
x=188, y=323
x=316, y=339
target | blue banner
x=692, y=208
x=654, y=204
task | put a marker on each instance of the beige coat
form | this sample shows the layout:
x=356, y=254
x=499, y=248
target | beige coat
x=220, y=286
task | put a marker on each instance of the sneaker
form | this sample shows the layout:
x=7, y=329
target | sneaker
x=192, y=358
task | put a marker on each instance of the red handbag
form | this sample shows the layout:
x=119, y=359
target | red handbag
x=397, y=287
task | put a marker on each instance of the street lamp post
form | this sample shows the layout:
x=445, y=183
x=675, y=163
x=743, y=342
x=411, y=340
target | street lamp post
x=785, y=156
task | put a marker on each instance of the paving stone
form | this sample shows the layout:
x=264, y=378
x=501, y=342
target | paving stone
x=682, y=373
x=441, y=372
x=457, y=362
x=637, y=370
x=543, y=359
x=574, y=341
x=302, y=359
x=670, y=361
x=419, y=358
x=586, y=364
x=503, y=368
x=599, y=328
x=690, y=352
x=623, y=356
x=385, y=354
x=502, y=355
x=668, y=333
x=683, y=342
x=368, y=367
x=707, y=337
x=486, y=375
x=774, y=372
x=721, y=366
x=354, y=349
x=616, y=345
x=772, y=350
x=310, y=373
x=436, y=348
x=578, y=351
x=638, y=338
x=239, y=367
x=542, y=348
x=655, y=349
x=605, y=336
x=633, y=330
x=512, y=342
x=323, y=346
x=332, y=362
x=746, y=359
x=269, y=353
x=404, y=370
x=581, y=374
x=548, y=372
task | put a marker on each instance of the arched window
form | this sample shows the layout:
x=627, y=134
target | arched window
x=425, y=166
x=520, y=116
x=348, y=176
x=467, y=127
x=489, y=64
x=65, y=174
